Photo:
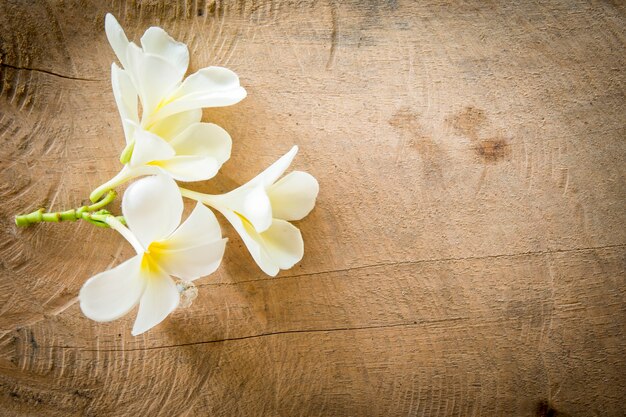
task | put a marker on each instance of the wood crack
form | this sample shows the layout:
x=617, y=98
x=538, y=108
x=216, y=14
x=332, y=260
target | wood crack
x=67, y=77
x=267, y=334
x=425, y=261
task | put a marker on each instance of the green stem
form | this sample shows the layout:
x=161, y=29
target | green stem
x=108, y=198
x=127, y=152
x=84, y=212
x=99, y=218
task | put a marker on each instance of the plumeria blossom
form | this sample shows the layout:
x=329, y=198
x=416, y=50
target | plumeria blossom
x=167, y=135
x=157, y=70
x=152, y=208
x=186, y=153
x=261, y=210
x=166, y=141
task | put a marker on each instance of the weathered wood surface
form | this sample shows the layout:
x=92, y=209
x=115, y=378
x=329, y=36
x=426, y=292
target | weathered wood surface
x=467, y=254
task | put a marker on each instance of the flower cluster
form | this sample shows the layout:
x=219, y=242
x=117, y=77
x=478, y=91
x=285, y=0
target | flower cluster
x=166, y=141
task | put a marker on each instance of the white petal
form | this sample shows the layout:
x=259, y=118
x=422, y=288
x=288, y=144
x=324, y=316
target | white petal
x=159, y=299
x=126, y=99
x=156, y=41
x=152, y=207
x=208, y=80
x=274, y=171
x=117, y=38
x=209, y=87
x=293, y=196
x=206, y=139
x=171, y=126
x=113, y=293
x=251, y=202
x=149, y=147
x=199, y=228
x=252, y=241
x=191, y=263
x=154, y=77
x=279, y=247
x=283, y=243
x=189, y=168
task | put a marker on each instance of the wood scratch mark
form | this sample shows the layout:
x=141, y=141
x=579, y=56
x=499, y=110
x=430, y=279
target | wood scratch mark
x=481, y=181
x=334, y=36
x=566, y=183
x=297, y=58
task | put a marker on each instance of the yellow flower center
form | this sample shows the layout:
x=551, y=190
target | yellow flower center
x=153, y=257
x=159, y=164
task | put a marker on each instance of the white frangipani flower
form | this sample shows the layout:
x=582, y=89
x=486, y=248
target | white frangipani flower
x=157, y=70
x=152, y=208
x=167, y=137
x=261, y=209
x=184, y=151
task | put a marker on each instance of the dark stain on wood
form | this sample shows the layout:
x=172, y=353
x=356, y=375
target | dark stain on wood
x=32, y=341
x=469, y=122
x=545, y=409
x=493, y=149
x=413, y=137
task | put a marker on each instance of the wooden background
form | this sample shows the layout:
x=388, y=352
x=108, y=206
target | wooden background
x=466, y=256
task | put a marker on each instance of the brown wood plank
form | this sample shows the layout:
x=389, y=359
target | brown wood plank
x=466, y=255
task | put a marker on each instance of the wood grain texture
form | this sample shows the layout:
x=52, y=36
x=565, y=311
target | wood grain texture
x=467, y=255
